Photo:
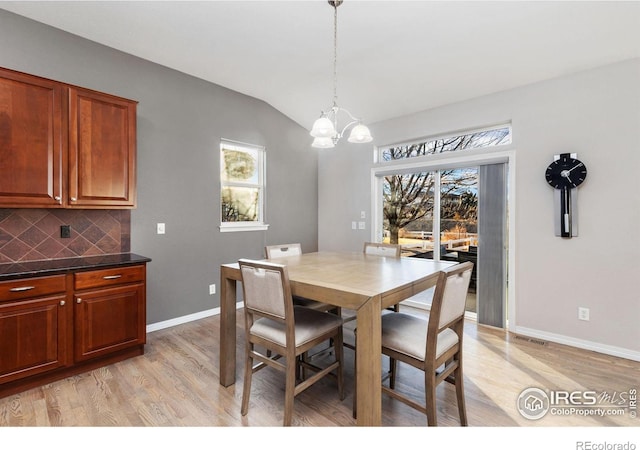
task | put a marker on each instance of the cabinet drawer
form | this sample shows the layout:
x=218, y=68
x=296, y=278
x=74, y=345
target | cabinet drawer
x=32, y=287
x=108, y=277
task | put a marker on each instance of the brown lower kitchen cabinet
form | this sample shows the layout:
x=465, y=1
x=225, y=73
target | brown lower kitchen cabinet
x=109, y=311
x=34, y=335
x=55, y=326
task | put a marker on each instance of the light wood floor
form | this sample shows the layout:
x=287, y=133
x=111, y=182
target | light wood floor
x=176, y=384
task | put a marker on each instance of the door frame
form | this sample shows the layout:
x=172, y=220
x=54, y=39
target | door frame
x=466, y=158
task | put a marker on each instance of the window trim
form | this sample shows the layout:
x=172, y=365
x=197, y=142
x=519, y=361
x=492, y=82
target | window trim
x=258, y=225
x=379, y=160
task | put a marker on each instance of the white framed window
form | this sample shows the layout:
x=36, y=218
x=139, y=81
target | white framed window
x=242, y=186
x=454, y=142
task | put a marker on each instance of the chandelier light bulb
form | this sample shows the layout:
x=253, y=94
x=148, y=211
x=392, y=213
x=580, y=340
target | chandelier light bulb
x=323, y=128
x=360, y=134
x=323, y=142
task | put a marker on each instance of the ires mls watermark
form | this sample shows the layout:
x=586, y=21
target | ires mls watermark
x=534, y=403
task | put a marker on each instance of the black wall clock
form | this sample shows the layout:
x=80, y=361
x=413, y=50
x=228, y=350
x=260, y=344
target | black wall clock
x=566, y=173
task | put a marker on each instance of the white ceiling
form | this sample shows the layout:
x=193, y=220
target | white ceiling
x=394, y=57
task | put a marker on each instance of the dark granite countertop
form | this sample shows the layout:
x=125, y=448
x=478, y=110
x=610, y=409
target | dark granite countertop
x=27, y=269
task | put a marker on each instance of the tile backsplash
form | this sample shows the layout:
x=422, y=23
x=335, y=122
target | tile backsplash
x=34, y=234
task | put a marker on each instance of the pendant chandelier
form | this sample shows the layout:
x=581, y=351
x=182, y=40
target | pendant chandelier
x=325, y=129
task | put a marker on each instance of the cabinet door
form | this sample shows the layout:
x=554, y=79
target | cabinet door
x=31, y=141
x=33, y=337
x=108, y=320
x=102, y=150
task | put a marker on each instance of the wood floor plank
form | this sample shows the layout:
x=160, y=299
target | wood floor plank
x=176, y=384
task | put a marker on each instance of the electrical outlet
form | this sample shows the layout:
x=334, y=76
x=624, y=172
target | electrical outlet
x=361, y=225
x=212, y=289
x=65, y=231
x=583, y=313
x=161, y=228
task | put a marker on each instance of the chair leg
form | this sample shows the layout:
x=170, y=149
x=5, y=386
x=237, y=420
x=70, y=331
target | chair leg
x=462, y=409
x=339, y=351
x=246, y=388
x=393, y=368
x=430, y=393
x=304, y=358
x=289, y=390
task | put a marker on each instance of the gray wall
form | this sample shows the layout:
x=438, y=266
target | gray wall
x=595, y=113
x=180, y=122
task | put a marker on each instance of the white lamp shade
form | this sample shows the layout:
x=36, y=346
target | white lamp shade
x=323, y=128
x=360, y=134
x=323, y=142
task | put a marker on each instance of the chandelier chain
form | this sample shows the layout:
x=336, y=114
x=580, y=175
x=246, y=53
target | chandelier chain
x=335, y=55
x=325, y=129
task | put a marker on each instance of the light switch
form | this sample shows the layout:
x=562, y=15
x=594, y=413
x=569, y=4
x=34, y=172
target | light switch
x=161, y=228
x=354, y=226
x=363, y=215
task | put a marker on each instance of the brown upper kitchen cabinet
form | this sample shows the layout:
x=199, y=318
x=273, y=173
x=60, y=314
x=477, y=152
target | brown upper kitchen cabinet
x=102, y=150
x=63, y=146
x=31, y=141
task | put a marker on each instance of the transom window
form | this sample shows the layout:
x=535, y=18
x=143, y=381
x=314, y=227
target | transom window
x=487, y=137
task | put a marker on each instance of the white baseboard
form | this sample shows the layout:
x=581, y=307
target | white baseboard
x=185, y=319
x=610, y=350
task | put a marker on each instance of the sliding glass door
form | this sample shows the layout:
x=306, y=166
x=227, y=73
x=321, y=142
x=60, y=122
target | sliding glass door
x=434, y=214
x=453, y=214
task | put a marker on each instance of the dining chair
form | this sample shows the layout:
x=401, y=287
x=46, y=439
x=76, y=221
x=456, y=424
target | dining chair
x=434, y=344
x=375, y=249
x=282, y=250
x=274, y=324
x=294, y=249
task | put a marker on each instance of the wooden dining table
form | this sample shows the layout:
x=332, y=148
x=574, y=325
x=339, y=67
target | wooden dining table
x=364, y=283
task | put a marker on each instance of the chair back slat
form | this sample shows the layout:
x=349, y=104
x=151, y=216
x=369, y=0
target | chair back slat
x=276, y=251
x=263, y=288
x=454, y=296
x=381, y=249
x=448, y=304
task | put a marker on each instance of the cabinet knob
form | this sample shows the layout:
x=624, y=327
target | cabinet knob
x=62, y=302
x=79, y=300
x=73, y=199
x=57, y=198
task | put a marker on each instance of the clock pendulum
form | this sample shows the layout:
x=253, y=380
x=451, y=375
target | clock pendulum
x=566, y=173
